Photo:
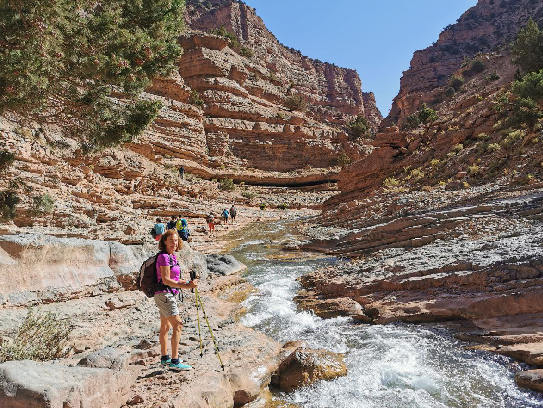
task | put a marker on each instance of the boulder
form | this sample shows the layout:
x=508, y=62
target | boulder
x=221, y=264
x=532, y=379
x=304, y=366
x=34, y=384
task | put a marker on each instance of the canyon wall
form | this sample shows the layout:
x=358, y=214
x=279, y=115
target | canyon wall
x=489, y=26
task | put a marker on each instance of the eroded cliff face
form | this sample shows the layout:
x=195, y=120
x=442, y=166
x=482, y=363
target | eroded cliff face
x=334, y=94
x=489, y=26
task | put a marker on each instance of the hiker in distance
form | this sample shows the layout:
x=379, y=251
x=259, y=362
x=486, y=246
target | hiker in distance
x=210, y=219
x=225, y=215
x=159, y=229
x=172, y=223
x=233, y=213
x=168, y=274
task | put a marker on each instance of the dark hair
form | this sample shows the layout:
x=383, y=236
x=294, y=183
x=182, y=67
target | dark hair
x=164, y=237
x=173, y=217
x=158, y=220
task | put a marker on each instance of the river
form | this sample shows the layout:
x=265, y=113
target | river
x=392, y=366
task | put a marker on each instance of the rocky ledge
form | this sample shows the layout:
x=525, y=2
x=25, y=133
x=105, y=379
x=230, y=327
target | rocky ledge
x=475, y=260
x=114, y=360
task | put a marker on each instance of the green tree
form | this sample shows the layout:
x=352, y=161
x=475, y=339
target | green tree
x=530, y=86
x=527, y=49
x=359, y=127
x=62, y=61
x=427, y=115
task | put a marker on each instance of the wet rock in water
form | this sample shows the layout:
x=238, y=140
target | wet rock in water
x=304, y=366
x=532, y=379
x=530, y=353
x=220, y=264
x=328, y=308
x=44, y=385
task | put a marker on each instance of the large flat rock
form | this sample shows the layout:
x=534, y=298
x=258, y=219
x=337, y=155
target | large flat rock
x=36, y=385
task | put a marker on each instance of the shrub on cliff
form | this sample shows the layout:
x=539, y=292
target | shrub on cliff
x=6, y=159
x=530, y=86
x=427, y=115
x=525, y=112
x=42, y=205
x=230, y=36
x=359, y=127
x=343, y=159
x=60, y=61
x=411, y=122
x=41, y=337
x=227, y=185
x=456, y=82
x=527, y=49
x=295, y=103
x=196, y=99
x=8, y=203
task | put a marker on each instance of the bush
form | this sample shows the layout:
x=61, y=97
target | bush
x=231, y=37
x=493, y=147
x=416, y=174
x=435, y=162
x=457, y=148
x=196, y=99
x=343, y=159
x=456, y=82
x=391, y=182
x=525, y=112
x=41, y=205
x=8, y=202
x=494, y=76
x=227, y=185
x=283, y=206
x=6, y=159
x=262, y=206
x=246, y=52
x=427, y=115
x=450, y=92
x=41, y=337
x=295, y=103
x=411, y=122
x=514, y=137
x=530, y=86
x=477, y=66
x=248, y=195
x=473, y=169
x=359, y=127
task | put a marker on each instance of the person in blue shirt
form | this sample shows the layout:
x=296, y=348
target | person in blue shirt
x=160, y=228
x=225, y=215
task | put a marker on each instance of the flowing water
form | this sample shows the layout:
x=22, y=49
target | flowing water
x=391, y=366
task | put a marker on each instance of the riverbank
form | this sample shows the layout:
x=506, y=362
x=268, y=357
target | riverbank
x=439, y=256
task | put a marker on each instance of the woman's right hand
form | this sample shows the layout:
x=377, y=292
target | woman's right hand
x=192, y=284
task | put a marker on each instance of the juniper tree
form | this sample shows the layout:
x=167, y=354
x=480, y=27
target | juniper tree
x=61, y=61
x=528, y=48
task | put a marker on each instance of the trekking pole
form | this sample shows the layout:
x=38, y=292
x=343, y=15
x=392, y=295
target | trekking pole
x=192, y=277
x=209, y=327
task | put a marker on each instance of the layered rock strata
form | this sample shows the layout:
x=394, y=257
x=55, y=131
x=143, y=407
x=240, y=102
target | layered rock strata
x=488, y=26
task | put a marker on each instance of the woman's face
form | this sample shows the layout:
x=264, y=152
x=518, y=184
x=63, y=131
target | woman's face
x=172, y=243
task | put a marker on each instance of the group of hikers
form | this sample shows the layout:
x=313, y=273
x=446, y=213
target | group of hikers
x=180, y=225
x=210, y=219
x=168, y=282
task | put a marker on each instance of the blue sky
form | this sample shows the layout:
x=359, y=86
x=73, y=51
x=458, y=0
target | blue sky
x=375, y=37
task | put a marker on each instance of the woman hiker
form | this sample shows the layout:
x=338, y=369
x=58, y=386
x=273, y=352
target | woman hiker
x=168, y=273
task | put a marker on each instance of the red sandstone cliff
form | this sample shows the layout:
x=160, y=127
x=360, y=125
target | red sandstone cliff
x=334, y=94
x=489, y=26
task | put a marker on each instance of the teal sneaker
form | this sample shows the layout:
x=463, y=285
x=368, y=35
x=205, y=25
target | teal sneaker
x=178, y=366
x=165, y=360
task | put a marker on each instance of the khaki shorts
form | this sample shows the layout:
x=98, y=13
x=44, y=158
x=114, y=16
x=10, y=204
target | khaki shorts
x=167, y=304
